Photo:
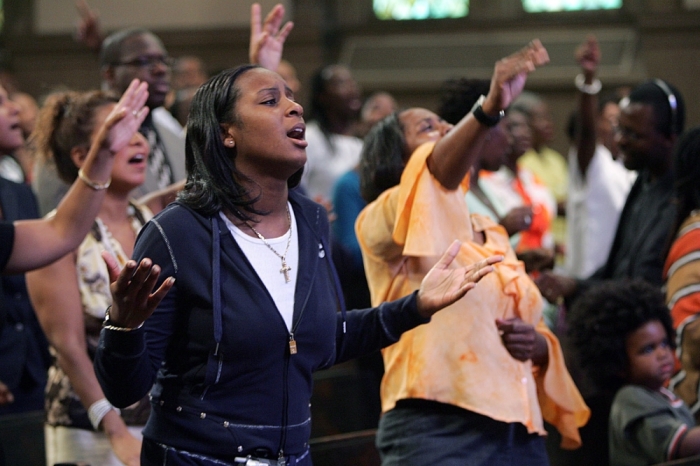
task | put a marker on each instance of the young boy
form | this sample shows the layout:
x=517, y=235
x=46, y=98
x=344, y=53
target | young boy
x=623, y=334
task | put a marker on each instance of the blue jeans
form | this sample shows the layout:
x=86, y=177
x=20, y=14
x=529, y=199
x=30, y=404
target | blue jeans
x=421, y=432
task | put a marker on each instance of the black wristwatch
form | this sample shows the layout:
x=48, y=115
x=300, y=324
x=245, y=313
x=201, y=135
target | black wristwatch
x=483, y=118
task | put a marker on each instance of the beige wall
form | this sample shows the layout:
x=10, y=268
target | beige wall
x=660, y=37
x=58, y=16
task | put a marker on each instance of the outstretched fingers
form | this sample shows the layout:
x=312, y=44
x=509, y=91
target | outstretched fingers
x=134, y=100
x=273, y=20
x=255, y=25
x=449, y=255
x=476, y=272
x=120, y=283
x=156, y=297
x=538, y=54
x=143, y=282
x=112, y=266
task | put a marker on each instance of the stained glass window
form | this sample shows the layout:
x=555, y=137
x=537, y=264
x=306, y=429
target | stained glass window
x=538, y=6
x=420, y=9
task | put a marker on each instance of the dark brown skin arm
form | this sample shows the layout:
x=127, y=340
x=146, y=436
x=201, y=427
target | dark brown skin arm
x=457, y=151
x=690, y=445
x=588, y=57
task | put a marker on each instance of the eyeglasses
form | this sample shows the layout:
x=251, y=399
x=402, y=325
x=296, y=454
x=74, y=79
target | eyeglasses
x=147, y=62
x=627, y=133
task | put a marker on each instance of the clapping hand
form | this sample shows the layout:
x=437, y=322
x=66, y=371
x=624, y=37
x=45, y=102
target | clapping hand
x=132, y=298
x=443, y=286
x=267, y=40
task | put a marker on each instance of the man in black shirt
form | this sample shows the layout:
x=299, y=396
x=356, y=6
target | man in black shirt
x=651, y=120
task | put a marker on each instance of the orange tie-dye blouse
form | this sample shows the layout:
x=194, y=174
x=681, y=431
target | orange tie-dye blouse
x=459, y=358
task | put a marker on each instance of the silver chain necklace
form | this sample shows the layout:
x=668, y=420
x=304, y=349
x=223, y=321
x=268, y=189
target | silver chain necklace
x=283, y=257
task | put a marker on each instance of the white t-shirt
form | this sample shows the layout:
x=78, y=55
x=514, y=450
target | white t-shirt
x=268, y=266
x=593, y=209
x=325, y=162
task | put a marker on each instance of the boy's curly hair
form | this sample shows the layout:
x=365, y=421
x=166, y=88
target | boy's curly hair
x=602, y=319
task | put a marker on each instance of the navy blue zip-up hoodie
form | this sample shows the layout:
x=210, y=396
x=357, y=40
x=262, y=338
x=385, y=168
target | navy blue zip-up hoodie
x=225, y=381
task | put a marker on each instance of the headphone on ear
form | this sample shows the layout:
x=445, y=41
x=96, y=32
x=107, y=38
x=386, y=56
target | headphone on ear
x=672, y=104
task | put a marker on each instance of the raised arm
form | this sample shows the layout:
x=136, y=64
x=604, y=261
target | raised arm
x=88, y=29
x=588, y=58
x=267, y=39
x=128, y=356
x=56, y=300
x=40, y=242
x=455, y=153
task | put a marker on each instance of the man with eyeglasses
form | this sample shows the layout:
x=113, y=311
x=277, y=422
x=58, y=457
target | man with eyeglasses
x=138, y=53
x=651, y=119
x=125, y=55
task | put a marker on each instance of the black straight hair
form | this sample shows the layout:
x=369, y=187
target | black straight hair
x=384, y=156
x=213, y=181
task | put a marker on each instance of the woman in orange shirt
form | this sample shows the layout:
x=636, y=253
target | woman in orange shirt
x=463, y=389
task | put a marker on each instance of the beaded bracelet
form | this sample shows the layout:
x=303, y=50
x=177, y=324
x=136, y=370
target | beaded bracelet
x=93, y=184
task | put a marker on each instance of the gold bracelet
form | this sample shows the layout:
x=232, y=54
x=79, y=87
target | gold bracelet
x=107, y=326
x=93, y=184
x=121, y=329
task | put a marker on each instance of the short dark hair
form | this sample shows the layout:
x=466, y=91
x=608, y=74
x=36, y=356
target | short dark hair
x=662, y=96
x=213, y=181
x=458, y=96
x=66, y=121
x=111, y=50
x=602, y=319
x=383, y=157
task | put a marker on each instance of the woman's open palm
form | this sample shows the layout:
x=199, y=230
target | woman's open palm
x=125, y=118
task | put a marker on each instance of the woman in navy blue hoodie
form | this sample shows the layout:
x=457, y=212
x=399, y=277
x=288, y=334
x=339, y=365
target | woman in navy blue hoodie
x=255, y=305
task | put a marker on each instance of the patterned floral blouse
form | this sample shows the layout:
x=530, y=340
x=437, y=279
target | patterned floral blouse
x=63, y=407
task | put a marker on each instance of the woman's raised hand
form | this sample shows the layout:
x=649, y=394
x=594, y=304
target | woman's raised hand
x=443, y=285
x=510, y=75
x=267, y=39
x=132, y=298
x=124, y=119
